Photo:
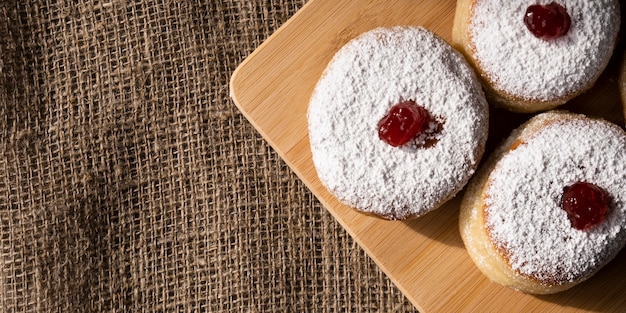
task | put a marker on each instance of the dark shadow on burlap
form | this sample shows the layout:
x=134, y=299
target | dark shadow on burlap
x=130, y=182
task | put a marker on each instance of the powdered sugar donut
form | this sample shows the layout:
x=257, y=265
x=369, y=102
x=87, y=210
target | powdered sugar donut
x=548, y=209
x=361, y=86
x=527, y=68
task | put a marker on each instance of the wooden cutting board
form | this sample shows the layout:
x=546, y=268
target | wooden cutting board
x=425, y=257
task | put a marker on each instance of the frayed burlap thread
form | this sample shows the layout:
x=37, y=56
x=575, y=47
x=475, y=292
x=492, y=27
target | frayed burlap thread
x=129, y=182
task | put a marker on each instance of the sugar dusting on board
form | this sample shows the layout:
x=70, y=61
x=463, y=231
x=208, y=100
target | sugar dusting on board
x=363, y=81
x=534, y=69
x=524, y=214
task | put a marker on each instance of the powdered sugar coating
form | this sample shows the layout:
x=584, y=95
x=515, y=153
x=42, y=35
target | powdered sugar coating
x=532, y=69
x=523, y=212
x=363, y=81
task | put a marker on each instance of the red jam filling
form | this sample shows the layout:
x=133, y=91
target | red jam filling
x=585, y=203
x=547, y=22
x=405, y=121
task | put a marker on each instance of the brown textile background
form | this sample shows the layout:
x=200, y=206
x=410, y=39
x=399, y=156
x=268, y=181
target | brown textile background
x=130, y=182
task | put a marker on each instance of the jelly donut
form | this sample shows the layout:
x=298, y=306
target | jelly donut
x=548, y=208
x=534, y=55
x=397, y=123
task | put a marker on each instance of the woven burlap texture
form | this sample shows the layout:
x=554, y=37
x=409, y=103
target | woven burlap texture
x=130, y=182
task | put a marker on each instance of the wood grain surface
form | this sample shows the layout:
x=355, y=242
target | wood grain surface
x=425, y=257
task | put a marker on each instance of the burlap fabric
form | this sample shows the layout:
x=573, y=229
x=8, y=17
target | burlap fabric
x=130, y=182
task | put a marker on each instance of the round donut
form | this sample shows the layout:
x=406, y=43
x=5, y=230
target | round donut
x=361, y=84
x=514, y=220
x=525, y=73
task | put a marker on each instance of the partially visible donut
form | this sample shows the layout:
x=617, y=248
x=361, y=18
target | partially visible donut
x=364, y=81
x=526, y=73
x=516, y=217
